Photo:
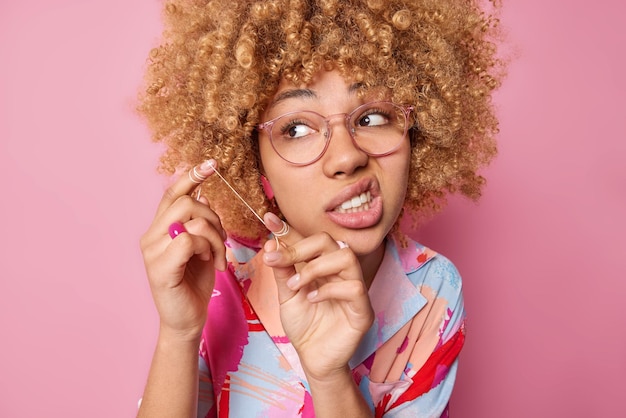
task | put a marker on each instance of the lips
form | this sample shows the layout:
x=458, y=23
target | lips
x=358, y=205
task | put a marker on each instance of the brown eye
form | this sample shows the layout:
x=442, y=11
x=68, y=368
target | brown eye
x=293, y=130
x=373, y=119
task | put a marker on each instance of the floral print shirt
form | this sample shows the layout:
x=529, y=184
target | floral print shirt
x=404, y=367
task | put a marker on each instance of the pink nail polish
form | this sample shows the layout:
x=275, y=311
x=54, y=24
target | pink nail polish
x=176, y=229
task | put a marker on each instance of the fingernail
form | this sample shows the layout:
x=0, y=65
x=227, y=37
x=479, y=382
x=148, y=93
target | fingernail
x=293, y=281
x=271, y=257
x=208, y=164
x=176, y=229
x=274, y=220
x=270, y=246
x=312, y=295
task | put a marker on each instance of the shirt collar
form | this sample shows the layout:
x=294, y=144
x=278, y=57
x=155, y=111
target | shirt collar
x=394, y=297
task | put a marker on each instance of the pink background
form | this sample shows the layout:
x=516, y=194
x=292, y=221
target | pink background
x=543, y=254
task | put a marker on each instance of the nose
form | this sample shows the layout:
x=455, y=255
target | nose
x=343, y=156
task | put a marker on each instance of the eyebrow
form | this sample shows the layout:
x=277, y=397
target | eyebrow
x=306, y=94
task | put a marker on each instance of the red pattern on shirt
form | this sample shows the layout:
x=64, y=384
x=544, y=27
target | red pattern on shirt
x=425, y=379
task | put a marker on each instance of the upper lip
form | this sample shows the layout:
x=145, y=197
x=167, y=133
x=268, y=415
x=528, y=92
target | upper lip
x=355, y=189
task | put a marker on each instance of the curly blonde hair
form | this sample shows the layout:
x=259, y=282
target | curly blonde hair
x=221, y=61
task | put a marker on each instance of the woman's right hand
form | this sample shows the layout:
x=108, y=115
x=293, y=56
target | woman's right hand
x=181, y=270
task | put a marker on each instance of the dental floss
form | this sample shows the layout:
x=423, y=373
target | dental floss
x=238, y=195
x=282, y=232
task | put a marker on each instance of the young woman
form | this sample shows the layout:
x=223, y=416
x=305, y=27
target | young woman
x=303, y=130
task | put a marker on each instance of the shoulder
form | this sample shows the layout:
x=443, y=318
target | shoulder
x=426, y=267
x=440, y=272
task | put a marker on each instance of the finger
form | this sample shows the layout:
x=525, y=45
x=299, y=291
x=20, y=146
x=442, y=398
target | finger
x=304, y=250
x=283, y=260
x=350, y=291
x=207, y=241
x=273, y=253
x=166, y=264
x=217, y=249
x=358, y=307
x=187, y=245
x=337, y=265
x=186, y=184
x=281, y=229
x=183, y=209
x=281, y=274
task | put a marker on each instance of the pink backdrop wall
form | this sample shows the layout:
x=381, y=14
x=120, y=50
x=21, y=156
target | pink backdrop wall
x=543, y=254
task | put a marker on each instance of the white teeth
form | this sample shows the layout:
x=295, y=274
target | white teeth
x=356, y=204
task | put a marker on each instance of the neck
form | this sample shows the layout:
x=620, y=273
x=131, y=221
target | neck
x=371, y=262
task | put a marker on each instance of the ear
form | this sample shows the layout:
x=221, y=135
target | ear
x=267, y=187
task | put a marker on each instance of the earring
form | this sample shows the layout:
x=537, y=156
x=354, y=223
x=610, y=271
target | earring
x=267, y=187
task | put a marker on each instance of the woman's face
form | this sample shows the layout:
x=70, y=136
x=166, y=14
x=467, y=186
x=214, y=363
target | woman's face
x=311, y=196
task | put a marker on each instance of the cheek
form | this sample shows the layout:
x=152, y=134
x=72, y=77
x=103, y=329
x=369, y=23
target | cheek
x=283, y=178
x=291, y=187
x=266, y=153
x=397, y=175
x=276, y=170
x=399, y=165
x=297, y=197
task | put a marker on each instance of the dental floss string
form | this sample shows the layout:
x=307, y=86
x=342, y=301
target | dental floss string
x=238, y=195
x=285, y=229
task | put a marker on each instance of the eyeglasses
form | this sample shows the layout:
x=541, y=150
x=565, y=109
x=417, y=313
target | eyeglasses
x=302, y=137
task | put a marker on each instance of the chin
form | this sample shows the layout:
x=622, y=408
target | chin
x=364, y=245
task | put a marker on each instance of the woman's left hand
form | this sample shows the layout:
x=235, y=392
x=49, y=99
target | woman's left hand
x=324, y=307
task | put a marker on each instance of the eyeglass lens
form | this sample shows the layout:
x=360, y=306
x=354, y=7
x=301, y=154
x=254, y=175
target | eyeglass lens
x=377, y=128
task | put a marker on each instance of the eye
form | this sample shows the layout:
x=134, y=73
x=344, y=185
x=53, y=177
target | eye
x=295, y=129
x=373, y=117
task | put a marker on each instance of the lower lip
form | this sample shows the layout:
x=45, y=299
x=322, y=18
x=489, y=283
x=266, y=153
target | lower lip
x=359, y=220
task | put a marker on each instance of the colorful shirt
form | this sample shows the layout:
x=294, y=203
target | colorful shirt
x=404, y=367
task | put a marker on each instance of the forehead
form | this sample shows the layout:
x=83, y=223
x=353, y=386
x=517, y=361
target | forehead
x=325, y=87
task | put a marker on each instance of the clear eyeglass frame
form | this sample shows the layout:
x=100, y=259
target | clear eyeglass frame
x=318, y=139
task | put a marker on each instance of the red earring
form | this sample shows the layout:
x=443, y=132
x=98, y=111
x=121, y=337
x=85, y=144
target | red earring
x=267, y=187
